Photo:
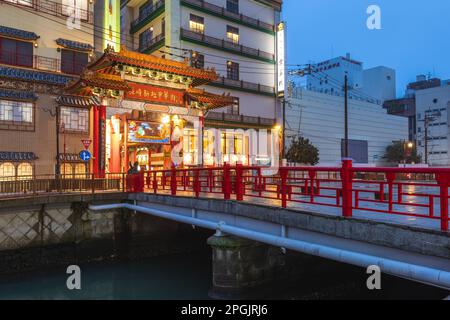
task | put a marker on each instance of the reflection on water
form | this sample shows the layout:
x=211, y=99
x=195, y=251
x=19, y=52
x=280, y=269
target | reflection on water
x=172, y=277
x=188, y=276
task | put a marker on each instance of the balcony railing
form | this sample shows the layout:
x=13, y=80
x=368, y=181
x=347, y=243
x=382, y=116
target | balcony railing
x=221, y=11
x=146, y=13
x=226, y=45
x=148, y=45
x=244, y=85
x=240, y=119
x=38, y=63
x=54, y=8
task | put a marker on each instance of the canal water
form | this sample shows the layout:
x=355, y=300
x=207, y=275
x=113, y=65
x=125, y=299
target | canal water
x=188, y=276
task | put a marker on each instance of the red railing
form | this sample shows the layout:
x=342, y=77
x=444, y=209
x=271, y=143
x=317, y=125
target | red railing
x=414, y=193
x=411, y=192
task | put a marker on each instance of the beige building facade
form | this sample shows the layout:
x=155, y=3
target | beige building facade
x=41, y=50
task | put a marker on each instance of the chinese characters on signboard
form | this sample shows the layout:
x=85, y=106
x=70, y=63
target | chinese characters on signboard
x=155, y=94
x=281, y=76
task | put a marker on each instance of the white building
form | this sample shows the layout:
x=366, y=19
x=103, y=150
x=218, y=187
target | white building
x=235, y=37
x=432, y=108
x=320, y=118
x=375, y=85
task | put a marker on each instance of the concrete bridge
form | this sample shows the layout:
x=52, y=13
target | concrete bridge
x=418, y=254
x=396, y=219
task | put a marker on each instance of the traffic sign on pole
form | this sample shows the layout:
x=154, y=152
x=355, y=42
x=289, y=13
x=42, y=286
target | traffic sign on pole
x=85, y=155
x=86, y=143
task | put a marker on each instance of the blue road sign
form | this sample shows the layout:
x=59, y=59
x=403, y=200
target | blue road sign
x=85, y=155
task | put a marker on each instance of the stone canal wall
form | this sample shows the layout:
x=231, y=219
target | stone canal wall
x=58, y=230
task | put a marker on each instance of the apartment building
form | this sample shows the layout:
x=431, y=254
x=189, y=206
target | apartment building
x=41, y=49
x=432, y=122
x=319, y=117
x=236, y=38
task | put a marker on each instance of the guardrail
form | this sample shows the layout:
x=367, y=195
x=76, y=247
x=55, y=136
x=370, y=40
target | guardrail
x=39, y=63
x=226, y=45
x=55, y=8
x=11, y=187
x=413, y=192
x=221, y=11
x=418, y=193
x=245, y=85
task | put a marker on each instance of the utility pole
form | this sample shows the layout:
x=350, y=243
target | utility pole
x=346, y=153
x=283, y=140
x=426, y=140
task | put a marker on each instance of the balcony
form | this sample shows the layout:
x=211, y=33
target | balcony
x=152, y=45
x=243, y=86
x=150, y=12
x=53, y=8
x=222, y=12
x=39, y=63
x=236, y=118
x=226, y=45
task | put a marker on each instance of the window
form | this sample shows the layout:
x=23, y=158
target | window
x=233, y=34
x=198, y=61
x=145, y=38
x=28, y=3
x=75, y=119
x=14, y=52
x=66, y=169
x=69, y=6
x=16, y=111
x=73, y=62
x=233, y=6
x=146, y=9
x=24, y=171
x=80, y=170
x=232, y=70
x=234, y=109
x=7, y=171
x=197, y=24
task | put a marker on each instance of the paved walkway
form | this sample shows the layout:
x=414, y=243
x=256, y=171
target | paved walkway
x=412, y=221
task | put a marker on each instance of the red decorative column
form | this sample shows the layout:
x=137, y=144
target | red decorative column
x=99, y=141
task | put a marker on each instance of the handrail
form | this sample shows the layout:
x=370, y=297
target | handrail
x=236, y=16
x=227, y=45
x=37, y=62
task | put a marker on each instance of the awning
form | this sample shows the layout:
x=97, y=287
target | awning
x=75, y=45
x=32, y=75
x=209, y=100
x=17, y=33
x=18, y=95
x=77, y=101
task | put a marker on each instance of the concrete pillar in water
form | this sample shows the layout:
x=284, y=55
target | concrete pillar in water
x=242, y=267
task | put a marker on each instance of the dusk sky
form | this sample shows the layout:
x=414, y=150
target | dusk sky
x=414, y=39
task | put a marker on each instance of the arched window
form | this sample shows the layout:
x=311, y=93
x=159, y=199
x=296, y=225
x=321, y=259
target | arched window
x=7, y=171
x=66, y=170
x=80, y=170
x=24, y=171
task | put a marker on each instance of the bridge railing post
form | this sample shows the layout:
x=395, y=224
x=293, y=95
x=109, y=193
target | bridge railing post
x=173, y=181
x=347, y=193
x=155, y=182
x=226, y=182
x=239, y=185
x=443, y=180
x=283, y=187
x=197, y=186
